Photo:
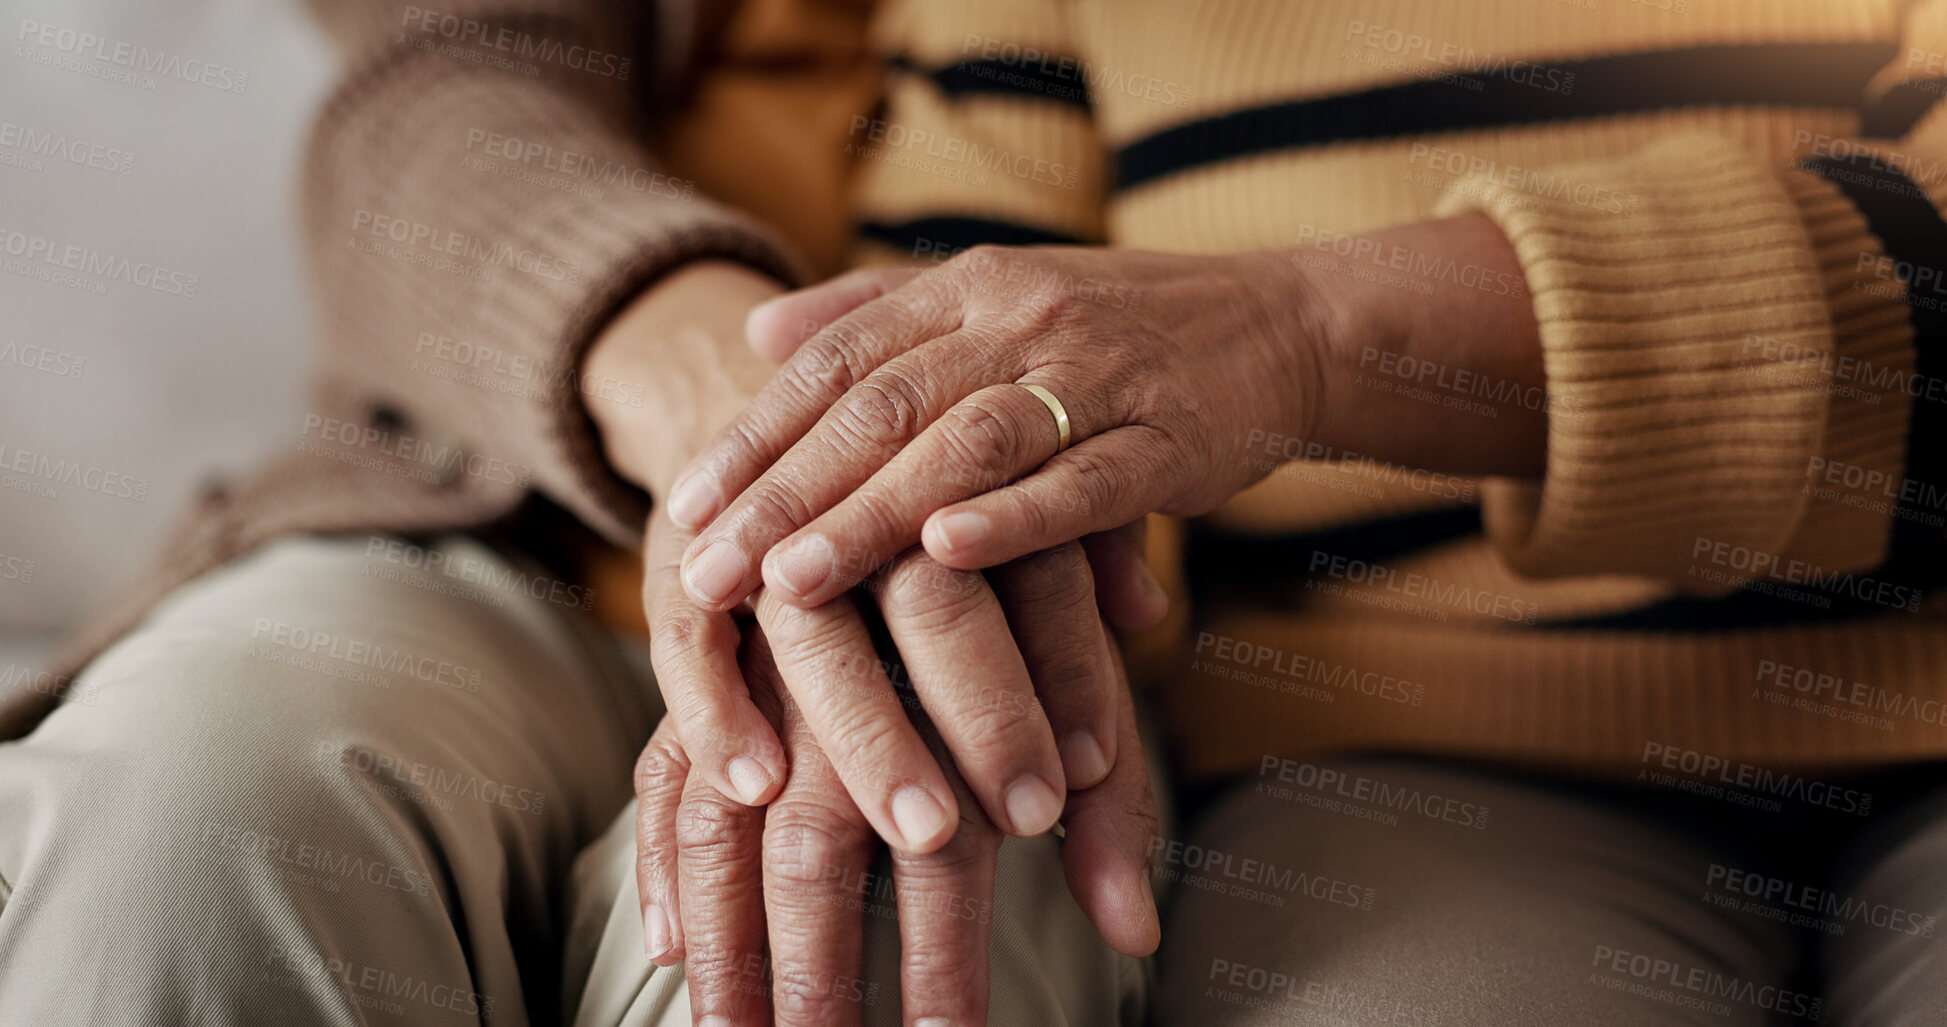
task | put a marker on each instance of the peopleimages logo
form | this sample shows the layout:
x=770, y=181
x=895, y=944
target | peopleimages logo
x=383, y=228
x=131, y=56
x=31, y=143
x=1751, y=568
x=50, y=254
x=1831, y=688
x=516, y=43
x=24, y=470
x=1804, y=905
x=1715, y=773
x=1699, y=983
x=359, y=652
x=958, y=151
x=1459, y=60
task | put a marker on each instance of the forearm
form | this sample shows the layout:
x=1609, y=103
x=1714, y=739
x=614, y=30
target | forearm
x=1431, y=356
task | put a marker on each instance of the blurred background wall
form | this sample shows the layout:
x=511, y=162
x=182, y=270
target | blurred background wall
x=179, y=347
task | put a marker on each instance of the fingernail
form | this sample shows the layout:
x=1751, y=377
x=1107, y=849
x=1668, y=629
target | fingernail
x=716, y=571
x=749, y=778
x=917, y=815
x=1032, y=806
x=963, y=529
x=1082, y=758
x=804, y=565
x=655, y=931
x=694, y=499
x=1149, y=898
x=714, y=1021
x=933, y=1021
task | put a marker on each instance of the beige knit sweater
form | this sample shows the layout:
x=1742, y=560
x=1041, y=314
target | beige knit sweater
x=1717, y=205
x=1732, y=556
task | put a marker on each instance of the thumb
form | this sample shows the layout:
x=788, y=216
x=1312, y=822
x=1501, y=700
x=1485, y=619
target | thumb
x=777, y=327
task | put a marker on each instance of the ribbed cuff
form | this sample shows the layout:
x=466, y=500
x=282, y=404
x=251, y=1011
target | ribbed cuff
x=1687, y=346
x=557, y=258
x=1854, y=483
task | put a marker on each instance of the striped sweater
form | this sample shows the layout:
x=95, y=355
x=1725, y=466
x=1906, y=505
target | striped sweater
x=1726, y=212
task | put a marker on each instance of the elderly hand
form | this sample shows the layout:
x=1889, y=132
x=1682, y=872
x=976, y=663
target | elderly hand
x=957, y=638
x=718, y=877
x=978, y=655
x=905, y=412
x=902, y=421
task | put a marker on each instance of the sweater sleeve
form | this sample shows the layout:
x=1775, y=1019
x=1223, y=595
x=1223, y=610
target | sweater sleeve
x=1737, y=352
x=478, y=202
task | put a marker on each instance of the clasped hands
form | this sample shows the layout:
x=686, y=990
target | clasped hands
x=893, y=473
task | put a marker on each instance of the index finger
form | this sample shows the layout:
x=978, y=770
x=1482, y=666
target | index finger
x=824, y=368
x=694, y=653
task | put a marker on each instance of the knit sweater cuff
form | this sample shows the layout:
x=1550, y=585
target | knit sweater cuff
x=554, y=265
x=1689, y=354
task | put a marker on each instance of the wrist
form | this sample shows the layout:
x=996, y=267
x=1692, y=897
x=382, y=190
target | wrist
x=1323, y=312
x=1428, y=352
x=672, y=367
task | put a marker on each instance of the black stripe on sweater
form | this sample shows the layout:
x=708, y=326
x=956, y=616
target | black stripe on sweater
x=1053, y=78
x=944, y=236
x=1910, y=227
x=1894, y=114
x=1521, y=93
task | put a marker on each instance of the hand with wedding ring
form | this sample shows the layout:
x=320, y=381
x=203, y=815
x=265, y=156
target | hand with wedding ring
x=1003, y=402
x=1109, y=383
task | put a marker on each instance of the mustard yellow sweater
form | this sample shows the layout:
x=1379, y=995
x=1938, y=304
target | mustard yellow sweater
x=1726, y=213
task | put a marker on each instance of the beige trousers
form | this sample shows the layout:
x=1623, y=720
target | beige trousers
x=354, y=781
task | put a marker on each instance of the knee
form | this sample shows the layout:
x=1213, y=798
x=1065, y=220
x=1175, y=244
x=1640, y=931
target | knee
x=216, y=733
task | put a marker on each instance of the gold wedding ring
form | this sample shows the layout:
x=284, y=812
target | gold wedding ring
x=1054, y=407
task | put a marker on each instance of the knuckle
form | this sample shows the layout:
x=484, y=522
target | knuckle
x=802, y=996
x=960, y=862
x=984, y=440
x=827, y=365
x=715, y=966
x=1053, y=577
x=1099, y=481
x=805, y=843
x=882, y=411
x=707, y=826
x=1032, y=509
x=943, y=959
x=771, y=502
x=657, y=770
x=943, y=962
x=700, y=720
x=652, y=862
x=678, y=629
x=994, y=725
x=880, y=510
x=817, y=644
x=927, y=594
x=741, y=442
x=871, y=742
x=977, y=260
x=1072, y=670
